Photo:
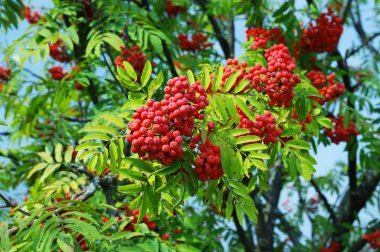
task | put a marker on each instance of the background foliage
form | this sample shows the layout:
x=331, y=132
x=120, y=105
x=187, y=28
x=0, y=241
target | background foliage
x=90, y=187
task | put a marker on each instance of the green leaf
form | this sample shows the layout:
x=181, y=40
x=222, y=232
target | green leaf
x=241, y=86
x=250, y=210
x=259, y=155
x=132, y=105
x=141, y=164
x=247, y=139
x=238, y=132
x=123, y=236
x=281, y=10
x=113, y=40
x=187, y=248
x=259, y=164
x=46, y=156
x=93, y=162
x=136, y=96
x=126, y=79
x=36, y=168
x=298, y=144
x=73, y=34
x=65, y=242
x=114, y=120
x=85, y=155
x=239, y=213
x=174, y=181
x=190, y=77
x=58, y=152
x=69, y=154
x=205, y=78
x=98, y=136
x=88, y=145
x=130, y=71
x=100, y=128
x=131, y=188
x=48, y=171
x=113, y=157
x=243, y=106
x=325, y=122
x=229, y=207
x=147, y=71
x=169, y=169
x=217, y=81
x=151, y=200
x=252, y=147
x=155, y=84
x=306, y=171
x=105, y=158
x=132, y=174
x=231, y=81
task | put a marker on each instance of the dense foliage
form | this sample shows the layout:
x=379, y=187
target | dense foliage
x=143, y=132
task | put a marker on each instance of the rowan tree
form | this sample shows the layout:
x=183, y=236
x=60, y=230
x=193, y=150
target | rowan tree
x=144, y=125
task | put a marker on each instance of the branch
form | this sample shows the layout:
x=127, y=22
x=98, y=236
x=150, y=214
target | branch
x=8, y=203
x=364, y=44
x=288, y=228
x=232, y=38
x=242, y=234
x=35, y=75
x=324, y=200
x=93, y=92
x=113, y=75
x=346, y=6
x=348, y=210
x=360, y=30
x=70, y=119
x=108, y=184
x=265, y=242
x=218, y=32
x=169, y=58
x=294, y=237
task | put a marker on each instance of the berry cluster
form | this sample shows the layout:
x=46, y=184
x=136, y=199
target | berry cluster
x=264, y=126
x=373, y=239
x=172, y=10
x=5, y=73
x=27, y=13
x=133, y=56
x=198, y=42
x=334, y=247
x=159, y=128
x=58, y=51
x=261, y=36
x=82, y=243
x=340, y=133
x=208, y=165
x=324, y=36
x=277, y=80
x=326, y=86
x=57, y=73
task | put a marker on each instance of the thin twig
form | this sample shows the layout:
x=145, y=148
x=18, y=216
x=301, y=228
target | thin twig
x=113, y=75
x=324, y=200
x=8, y=203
